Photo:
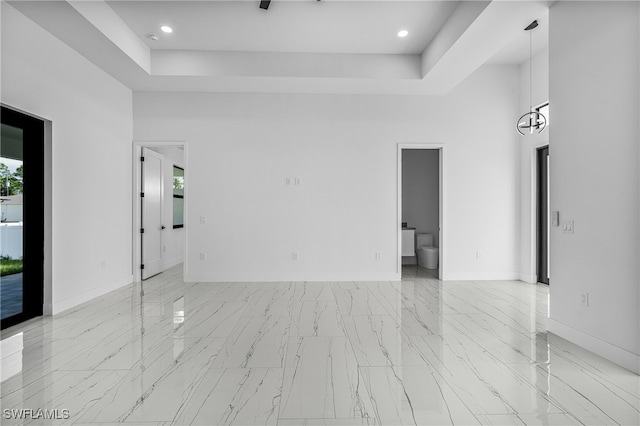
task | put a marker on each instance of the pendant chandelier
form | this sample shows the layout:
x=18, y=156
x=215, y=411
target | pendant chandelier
x=532, y=121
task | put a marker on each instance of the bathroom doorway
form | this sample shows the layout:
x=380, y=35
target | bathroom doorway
x=420, y=220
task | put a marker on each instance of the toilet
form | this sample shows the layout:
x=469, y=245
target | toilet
x=427, y=253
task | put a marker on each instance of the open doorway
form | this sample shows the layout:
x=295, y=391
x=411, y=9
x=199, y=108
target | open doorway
x=22, y=226
x=160, y=187
x=420, y=211
x=543, y=215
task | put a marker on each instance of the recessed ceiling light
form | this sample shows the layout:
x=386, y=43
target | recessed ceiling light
x=403, y=33
x=166, y=29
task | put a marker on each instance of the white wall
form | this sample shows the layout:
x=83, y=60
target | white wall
x=420, y=191
x=344, y=151
x=595, y=99
x=528, y=147
x=91, y=116
x=172, y=239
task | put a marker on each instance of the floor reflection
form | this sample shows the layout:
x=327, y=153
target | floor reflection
x=419, y=351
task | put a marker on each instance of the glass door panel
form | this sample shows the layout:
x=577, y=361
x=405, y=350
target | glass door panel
x=21, y=216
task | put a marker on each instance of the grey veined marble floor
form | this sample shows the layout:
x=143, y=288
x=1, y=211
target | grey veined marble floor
x=415, y=352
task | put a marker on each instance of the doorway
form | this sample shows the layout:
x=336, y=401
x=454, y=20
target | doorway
x=421, y=206
x=22, y=217
x=159, y=207
x=543, y=214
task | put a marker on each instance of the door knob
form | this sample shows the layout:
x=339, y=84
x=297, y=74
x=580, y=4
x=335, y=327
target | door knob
x=163, y=227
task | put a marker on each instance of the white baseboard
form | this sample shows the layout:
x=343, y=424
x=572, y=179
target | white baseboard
x=613, y=353
x=170, y=263
x=482, y=276
x=192, y=278
x=70, y=302
x=531, y=279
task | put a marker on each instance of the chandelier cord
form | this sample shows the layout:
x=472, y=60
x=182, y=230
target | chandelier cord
x=530, y=75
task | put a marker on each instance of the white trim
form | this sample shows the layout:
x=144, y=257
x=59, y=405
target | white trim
x=47, y=301
x=170, y=263
x=531, y=279
x=484, y=276
x=137, y=151
x=620, y=356
x=76, y=299
x=442, y=270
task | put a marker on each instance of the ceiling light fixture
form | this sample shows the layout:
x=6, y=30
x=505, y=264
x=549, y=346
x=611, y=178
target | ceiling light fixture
x=167, y=29
x=403, y=33
x=532, y=120
x=154, y=37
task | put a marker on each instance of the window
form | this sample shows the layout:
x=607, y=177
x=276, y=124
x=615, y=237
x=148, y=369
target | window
x=544, y=110
x=178, y=197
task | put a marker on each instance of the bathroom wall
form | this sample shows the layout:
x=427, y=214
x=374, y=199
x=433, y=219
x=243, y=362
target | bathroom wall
x=420, y=192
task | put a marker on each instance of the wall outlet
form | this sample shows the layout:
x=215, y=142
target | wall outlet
x=478, y=255
x=567, y=227
x=203, y=255
x=203, y=220
x=294, y=256
x=378, y=255
x=287, y=181
x=584, y=299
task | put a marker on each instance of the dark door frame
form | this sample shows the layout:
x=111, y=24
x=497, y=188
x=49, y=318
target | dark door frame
x=33, y=214
x=542, y=209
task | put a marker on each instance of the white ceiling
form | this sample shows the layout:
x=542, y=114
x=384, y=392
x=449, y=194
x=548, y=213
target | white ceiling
x=297, y=46
x=288, y=26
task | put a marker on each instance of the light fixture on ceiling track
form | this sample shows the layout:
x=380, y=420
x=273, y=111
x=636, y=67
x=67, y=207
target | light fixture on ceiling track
x=532, y=120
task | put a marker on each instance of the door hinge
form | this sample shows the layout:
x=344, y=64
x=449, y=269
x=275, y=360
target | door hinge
x=141, y=158
x=142, y=230
x=141, y=266
x=142, y=194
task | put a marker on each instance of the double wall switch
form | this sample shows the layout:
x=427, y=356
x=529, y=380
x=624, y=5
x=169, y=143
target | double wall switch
x=555, y=218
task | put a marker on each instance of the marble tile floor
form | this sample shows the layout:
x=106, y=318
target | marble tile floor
x=416, y=352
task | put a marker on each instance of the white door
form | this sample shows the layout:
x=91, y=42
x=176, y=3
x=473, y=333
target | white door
x=151, y=202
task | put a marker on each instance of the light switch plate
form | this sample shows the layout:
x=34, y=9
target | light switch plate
x=555, y=218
